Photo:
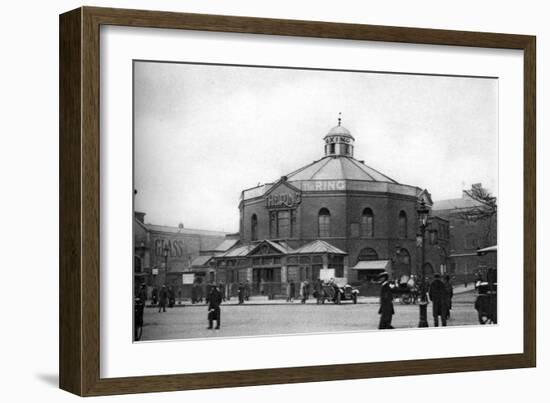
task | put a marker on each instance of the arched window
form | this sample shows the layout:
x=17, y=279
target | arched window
x=324, y=223
x=367, y=254
x=428, y=270
x=367, y=223
x=254, y=227
x=443, y=260
x=402, y=224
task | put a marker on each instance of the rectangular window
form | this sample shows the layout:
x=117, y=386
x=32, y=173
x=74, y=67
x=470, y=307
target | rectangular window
x=337, y=263
x=283, y=224
x=293, y=232
x=273, y=224
x=324, y=226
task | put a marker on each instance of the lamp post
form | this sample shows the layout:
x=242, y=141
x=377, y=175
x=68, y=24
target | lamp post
x=165, y=252
x=395, y=260
x=423, y=213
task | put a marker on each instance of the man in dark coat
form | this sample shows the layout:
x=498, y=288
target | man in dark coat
x=171, y=297
x=214, y=312
x=449, y=289
x=386, y=310
x=163, y=298
x=439, y=298
x=241, y=293
x=142, y=294
x=246, y=290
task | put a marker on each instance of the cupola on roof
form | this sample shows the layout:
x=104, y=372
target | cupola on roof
x=338, y=163
x=339, y=141
x=339, y=130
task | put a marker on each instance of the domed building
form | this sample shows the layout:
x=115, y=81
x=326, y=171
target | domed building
x=335, y=213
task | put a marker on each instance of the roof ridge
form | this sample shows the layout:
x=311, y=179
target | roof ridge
x=304, y=167
x=324, y=165
x=358, y=165
x=375, y=170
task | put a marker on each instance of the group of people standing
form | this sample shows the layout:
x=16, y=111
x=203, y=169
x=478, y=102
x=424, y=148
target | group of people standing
x=305, y=290
x=440, y=293
x=164, y=296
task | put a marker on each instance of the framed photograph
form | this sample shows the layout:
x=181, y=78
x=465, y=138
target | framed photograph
x=264, y=201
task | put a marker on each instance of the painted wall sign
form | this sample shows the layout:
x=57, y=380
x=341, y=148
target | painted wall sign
x=175, y=247
x=319, y=186
x=283, y=200
x=337, y=139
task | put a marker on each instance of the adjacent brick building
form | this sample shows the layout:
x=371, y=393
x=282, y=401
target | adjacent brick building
x=163, y=253
x=467, y=236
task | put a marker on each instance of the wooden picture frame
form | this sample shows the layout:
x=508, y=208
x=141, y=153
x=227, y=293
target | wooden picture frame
x=79, y=346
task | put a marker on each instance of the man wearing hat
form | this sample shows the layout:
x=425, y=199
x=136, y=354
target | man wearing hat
x=214, y=311
x=439, y=298
x=163, y=298
x=386, y=310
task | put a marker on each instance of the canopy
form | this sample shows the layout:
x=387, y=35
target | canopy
x=488, y=249
x=383, y=265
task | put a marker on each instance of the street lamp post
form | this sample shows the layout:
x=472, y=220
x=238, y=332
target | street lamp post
x=423, y=213
x=165, y=252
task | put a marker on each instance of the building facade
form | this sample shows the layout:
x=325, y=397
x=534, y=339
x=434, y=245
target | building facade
x=336, y=213
x=162, y=254
x=469, y=232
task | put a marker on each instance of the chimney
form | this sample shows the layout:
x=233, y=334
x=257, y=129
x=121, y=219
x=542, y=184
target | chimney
x=138, y=215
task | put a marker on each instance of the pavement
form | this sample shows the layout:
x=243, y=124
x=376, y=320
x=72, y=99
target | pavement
x=457, y=290
x=253, y=319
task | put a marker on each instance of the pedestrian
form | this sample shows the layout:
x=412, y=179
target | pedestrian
x=163, y=297
x=438, y=296
x=246, y=290
x=318, y=290
x=449, y=290
x=241, y=293
x=222, y=290
x=214, y=311
x=142, y=294
x=479, y=279
x=171, y=297
x=336, y=291
x=155, y=295
x=386, y=310
x=304, y=291
x=288, y=291
x=292, y=290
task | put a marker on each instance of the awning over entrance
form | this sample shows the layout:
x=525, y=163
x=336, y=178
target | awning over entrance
x=488, y=249
x=379, y=265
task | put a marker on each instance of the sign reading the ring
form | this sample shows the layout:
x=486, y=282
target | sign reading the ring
x=283, y=200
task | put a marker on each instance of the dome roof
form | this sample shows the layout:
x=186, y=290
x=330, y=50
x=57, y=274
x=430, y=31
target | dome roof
x=339, y=131
x=339, y=168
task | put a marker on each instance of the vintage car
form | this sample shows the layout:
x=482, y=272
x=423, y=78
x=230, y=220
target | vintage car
x=336, y=293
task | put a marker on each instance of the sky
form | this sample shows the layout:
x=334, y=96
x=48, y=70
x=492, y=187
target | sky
x=203, y=133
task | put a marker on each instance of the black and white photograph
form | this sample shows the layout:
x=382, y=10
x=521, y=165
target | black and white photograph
x=275, y=200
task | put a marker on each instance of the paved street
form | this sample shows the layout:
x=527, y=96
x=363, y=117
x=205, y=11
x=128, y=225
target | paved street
x=246, y=320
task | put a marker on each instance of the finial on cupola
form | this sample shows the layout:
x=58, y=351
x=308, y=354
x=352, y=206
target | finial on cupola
x=339, y=118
